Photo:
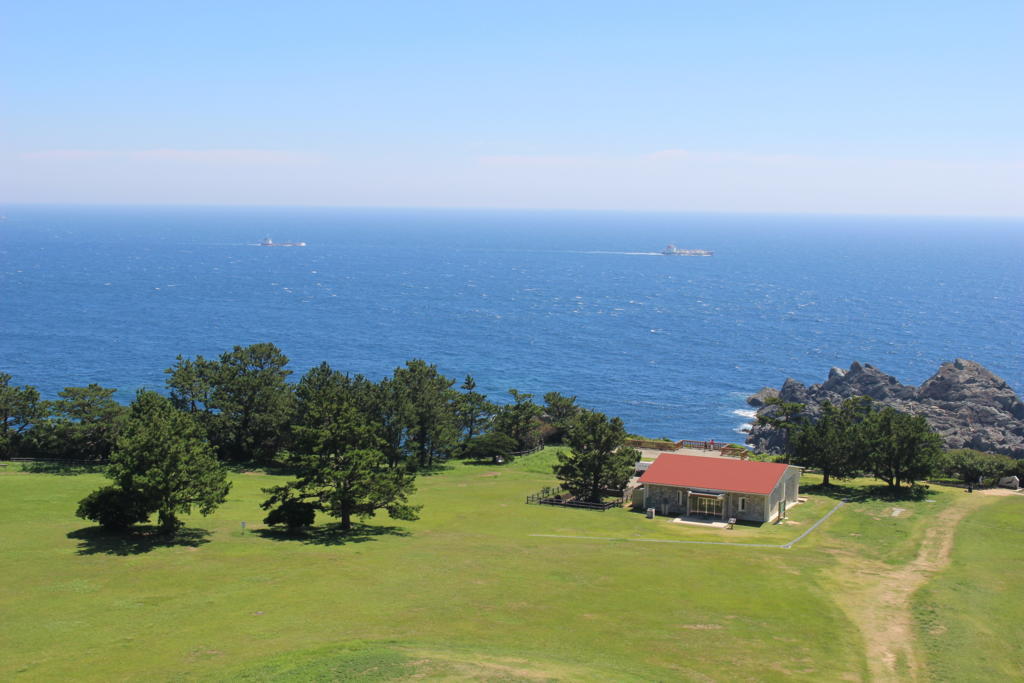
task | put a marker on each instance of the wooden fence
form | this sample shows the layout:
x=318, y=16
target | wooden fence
x=516, y=454
x=554, y=496
x=707, y=445
x=650, y=444
x=61, y=461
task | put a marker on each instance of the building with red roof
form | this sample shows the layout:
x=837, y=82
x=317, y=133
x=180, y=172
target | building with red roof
x=723, y=488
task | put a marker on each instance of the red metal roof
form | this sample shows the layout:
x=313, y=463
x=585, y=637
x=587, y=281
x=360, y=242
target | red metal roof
x=721, y=474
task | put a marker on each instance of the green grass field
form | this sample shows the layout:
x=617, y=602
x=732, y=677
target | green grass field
x=466, y=592
x=970, y=617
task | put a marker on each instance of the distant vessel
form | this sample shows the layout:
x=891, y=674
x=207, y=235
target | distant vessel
x=267, y=242
x=673, y=250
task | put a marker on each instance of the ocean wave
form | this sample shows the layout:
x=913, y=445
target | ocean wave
x=742, y=412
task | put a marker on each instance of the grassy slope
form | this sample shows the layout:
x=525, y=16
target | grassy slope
x=464, y=592
x=969, y=615
x=867, y=525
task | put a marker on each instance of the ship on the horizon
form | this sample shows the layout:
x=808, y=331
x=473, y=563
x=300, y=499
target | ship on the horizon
x=673, y=250
x=267, y=242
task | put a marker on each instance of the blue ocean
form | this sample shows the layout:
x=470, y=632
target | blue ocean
x=577, y=302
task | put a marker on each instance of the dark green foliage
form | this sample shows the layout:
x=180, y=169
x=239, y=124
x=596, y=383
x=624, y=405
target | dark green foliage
x=598, y=461
x=242, y=399
x=390, y=409
x=83, y=424
x=784, y=416
x=293, y=513
x=163, y=464
x=491, y=446
x=560, y=411
x=473, y=412
x=970, y=465
x=20, y=410
x=114, y=508
x=834, y=443
x=341, y=469
x=520, y=420
x=431, y=430
x=901, y=448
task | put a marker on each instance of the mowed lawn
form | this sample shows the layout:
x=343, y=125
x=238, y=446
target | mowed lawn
x=466, y=592
x=971, y=615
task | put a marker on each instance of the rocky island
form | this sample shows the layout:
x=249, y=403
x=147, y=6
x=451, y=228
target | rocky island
x=966, y=404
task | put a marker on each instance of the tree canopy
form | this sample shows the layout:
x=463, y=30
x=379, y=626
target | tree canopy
x=242, y=399
x=83, y=423
x=901, y=448
x=972, y=466
x=473, y=412
x=834, y=443
x=597, y=460
x=430, y=411
x=162, y=463
x=520, y=420
x=20, y=409
x=340, y=467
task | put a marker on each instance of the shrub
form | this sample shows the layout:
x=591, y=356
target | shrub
x=971, y=465
x=113, y=508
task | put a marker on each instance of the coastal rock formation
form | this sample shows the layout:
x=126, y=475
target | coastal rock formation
x=966, y=404
x=758, y=399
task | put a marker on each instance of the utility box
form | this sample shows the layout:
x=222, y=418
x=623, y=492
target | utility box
x=651, y=512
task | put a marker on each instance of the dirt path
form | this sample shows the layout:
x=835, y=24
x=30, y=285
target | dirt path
x=876, y=596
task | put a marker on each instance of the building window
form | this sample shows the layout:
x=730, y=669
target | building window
x=743, y=504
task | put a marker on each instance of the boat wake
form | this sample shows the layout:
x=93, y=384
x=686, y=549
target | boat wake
x=622, y=253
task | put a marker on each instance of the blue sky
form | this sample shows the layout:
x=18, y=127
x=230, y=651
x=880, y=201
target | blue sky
x=826, y=107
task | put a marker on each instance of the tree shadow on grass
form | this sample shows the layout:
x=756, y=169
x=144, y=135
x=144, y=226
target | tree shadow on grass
x=274, y=468
x=436, y=468
x=709, y=521
x=95, y=540
x=331, y=534
x=486, y=462
x=862, y=494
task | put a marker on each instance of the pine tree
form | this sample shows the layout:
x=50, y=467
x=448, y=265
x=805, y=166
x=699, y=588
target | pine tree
x=597, y=460
x=162, y=463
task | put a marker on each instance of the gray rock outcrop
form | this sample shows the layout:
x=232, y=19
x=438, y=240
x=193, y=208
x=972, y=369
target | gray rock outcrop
x=758, y=399
x=965, y=403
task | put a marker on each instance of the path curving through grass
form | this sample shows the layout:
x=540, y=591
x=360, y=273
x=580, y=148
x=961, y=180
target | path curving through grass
x=876, y=596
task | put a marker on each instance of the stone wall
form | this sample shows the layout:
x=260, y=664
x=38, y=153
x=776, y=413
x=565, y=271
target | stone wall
x=671, y=501
x=755, y=511
x=664, y=499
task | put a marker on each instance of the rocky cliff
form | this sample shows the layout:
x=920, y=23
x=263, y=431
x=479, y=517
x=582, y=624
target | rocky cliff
x=965, y=403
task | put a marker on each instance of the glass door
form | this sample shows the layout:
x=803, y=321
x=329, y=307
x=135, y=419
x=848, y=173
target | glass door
x=706, y=505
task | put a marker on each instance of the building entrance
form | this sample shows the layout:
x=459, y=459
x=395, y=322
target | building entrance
x=706, y=505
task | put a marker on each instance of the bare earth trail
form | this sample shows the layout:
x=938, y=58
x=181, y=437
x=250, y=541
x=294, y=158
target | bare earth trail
x=876, y=596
